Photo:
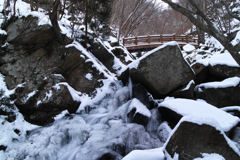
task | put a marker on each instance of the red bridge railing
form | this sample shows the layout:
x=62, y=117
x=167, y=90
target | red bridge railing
x=151, y=41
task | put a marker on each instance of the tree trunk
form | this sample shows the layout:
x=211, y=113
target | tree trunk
x=31, y=5
x=14, y=8
x=53, y=15
x=86, y=22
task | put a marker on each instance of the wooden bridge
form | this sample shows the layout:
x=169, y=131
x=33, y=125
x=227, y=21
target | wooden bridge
x=153, y=41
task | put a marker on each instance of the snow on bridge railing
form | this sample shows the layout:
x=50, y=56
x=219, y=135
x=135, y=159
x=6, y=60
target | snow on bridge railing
x=149, y=41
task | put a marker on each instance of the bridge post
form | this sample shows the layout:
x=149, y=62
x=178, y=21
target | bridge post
x=174, y=37
x=186, y=38
x=136, y=40
x=161, y=39
x=148, y=39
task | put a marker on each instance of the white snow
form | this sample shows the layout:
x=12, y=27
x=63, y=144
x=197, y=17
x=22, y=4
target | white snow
x=188, y=85
x=30, y=95
x=236, y=40
x=188, y=48
x=186, y=107
x=89, y=76
x=75, y=94
x=223, y=59
x=212, y=156
x=219, y=59
x=153, y=154
x=230, y=108
x=3, y=32
x=61, y=115
x=229, y=82
x=140, y=108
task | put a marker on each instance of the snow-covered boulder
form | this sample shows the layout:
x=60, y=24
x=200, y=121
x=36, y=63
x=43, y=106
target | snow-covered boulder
x=194, y=136
x=40, y=105
x=26, y=31
x=138, y=112
x=161, y=70
x=220, y=94
x=174, y=109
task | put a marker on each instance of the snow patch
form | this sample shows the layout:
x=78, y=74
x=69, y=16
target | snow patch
x=188, y=48
x=140, y=108
x=152, y=154
x=89, y=76
x=229, y=82
x=212, y=156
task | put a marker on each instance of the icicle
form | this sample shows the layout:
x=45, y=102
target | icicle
x=130, y=87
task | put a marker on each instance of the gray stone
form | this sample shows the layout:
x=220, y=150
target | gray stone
x=162, y=71
x=191, y=139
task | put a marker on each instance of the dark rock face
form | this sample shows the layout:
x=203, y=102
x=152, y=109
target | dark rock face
x=186, y=91
x=190, y=140
x=140, y=93
x=219, y=97
x=162, y=71
x=170, y=116
x=224, y=71
x=103, y=55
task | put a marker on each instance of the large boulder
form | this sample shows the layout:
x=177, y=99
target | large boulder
x=194, y=137
x=161, y=70
x=220, y=94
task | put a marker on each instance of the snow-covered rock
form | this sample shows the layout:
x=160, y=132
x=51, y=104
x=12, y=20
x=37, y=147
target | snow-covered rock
x=161, y=70
x=220, y=94
x=184, y=107
x=196, y=135
x=138, y=112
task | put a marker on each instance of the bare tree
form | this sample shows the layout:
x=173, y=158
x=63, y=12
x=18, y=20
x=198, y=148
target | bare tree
x=207, y=25
x=128, y=15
